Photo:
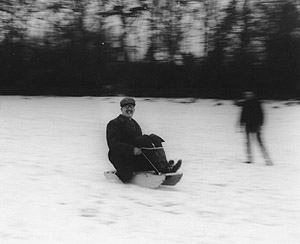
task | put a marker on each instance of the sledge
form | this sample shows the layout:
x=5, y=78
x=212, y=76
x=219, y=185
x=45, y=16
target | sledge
x=149, y=179
x=172, y=178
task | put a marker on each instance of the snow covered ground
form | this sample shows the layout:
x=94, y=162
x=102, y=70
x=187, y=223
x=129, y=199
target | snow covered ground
x=53, y=155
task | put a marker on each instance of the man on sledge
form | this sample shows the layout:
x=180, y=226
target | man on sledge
x=130, y=151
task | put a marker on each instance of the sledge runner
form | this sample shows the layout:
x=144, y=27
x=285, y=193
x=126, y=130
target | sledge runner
x=130, y=151
x=251, y=120
x=148, y=179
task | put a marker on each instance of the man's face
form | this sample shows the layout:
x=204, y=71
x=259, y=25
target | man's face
x=128, y=110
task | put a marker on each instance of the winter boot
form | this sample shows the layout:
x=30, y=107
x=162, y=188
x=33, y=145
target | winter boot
x=173, y=168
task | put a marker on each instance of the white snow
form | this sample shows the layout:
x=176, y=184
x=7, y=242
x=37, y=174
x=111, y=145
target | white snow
x=53, y=155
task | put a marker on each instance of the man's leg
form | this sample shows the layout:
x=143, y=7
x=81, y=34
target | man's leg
x=156, y=140
x=263, y=148
x=160, y=154
x=248, y=147
x=157, y=157
x=124, y=169
x=140, y=163
x=156, y=154
x=165, y=165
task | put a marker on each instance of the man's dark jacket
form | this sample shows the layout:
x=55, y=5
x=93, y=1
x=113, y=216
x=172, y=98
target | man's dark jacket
x=252, y=115
x=120, y=134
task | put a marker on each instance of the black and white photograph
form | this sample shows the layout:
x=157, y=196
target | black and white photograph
x=149, y=121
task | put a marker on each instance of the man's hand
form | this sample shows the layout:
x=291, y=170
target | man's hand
x=137, y=151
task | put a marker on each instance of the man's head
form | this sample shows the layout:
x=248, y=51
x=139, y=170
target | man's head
x=127, y=106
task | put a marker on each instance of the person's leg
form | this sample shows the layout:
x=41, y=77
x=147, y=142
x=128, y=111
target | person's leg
x=124, y=169
x=161, y=161
x=263, y=148
x=165, y=165
x=156, y=140
x=143, y=141
x=141, y=163
x=156, y=157
x=248, y=147
x=155, y=153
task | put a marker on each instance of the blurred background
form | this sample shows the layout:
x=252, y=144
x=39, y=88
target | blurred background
x=166, y=48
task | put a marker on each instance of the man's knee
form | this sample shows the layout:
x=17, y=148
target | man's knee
x=123, y=167
x=156, y=140
x=143, y=141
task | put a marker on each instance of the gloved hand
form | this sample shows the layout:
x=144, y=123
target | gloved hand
x=137, y=151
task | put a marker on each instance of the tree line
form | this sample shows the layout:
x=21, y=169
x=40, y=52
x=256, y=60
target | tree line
x=208, y=48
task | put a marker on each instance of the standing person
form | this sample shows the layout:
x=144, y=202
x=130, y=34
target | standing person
x=126, y=141
x=251, y=120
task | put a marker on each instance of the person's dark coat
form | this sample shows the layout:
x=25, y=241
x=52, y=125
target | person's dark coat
x=252, y=116
x=121, y=133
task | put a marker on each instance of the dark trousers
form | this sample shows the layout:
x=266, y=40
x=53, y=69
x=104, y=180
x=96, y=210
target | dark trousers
x=257, y=134
x=153, y=152
x=127, y=166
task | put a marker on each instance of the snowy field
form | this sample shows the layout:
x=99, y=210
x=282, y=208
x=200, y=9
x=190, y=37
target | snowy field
x=52, y=188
